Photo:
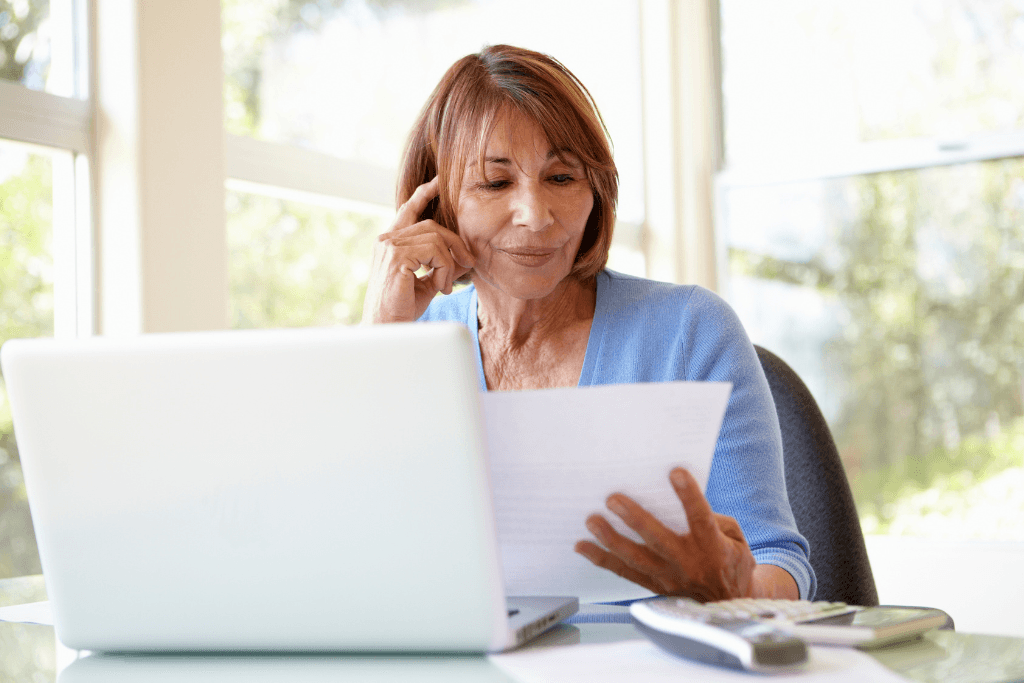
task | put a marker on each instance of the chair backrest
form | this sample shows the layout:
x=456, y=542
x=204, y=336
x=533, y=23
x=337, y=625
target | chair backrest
x=819, y=492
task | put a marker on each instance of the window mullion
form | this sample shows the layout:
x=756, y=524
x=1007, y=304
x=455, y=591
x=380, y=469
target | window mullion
x=879, y=157
x=43, y=119
x=276, y=165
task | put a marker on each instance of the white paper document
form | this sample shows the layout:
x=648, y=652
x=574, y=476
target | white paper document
x=28, y=613
x=556, y=455
x=641, y=660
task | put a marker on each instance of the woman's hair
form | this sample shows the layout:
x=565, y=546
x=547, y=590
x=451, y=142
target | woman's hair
x=461, y=113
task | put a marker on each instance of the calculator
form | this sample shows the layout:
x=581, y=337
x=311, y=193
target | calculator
x=687, y=629
x=818, y=622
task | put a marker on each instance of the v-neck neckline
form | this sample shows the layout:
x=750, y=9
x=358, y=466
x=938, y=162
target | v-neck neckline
x=594, y=340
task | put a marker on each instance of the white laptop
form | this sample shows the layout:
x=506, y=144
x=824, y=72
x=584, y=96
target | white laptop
x=286, y=490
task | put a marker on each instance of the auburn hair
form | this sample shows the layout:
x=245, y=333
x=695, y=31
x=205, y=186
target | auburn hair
x=461, y=113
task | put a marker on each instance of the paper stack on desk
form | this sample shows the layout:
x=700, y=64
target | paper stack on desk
x=28, y=613
x=556, y=455
x=640, y=660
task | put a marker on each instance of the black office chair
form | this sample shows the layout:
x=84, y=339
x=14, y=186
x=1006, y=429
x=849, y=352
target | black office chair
x=819, y=492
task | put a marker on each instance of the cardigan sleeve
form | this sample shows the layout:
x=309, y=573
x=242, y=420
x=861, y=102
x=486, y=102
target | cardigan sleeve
x=747, y=480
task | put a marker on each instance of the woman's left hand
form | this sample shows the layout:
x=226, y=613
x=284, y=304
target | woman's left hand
x=712, y=562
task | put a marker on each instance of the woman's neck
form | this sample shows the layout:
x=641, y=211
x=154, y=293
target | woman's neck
x=519, y=322
x=535, y=343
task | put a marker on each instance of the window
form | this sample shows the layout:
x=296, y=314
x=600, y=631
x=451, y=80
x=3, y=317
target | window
x=872, y=222
x=295, y=263
x=26, y=310
x=45, y=248
x=37, y=47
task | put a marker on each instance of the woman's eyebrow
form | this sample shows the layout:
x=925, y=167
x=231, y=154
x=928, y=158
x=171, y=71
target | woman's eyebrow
x=565, y=153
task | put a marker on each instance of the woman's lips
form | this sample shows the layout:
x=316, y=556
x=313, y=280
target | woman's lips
x=529, y=257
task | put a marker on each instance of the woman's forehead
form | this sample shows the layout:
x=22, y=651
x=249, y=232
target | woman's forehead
x=514, y=136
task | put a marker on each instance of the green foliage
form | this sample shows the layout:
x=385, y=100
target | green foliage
x=19, y=30
x=294, y=264
x=973, y=460
x=932, y=346
x=927, y=267
x=969, y=491
x=26, y=263
x=26, y=310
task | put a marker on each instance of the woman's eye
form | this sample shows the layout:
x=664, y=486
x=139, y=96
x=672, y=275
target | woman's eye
x=494, y=184
x=562, y=178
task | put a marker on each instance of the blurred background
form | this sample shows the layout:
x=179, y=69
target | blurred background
x=864, y=196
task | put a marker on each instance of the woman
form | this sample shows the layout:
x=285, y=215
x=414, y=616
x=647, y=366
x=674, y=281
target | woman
x=508, y=181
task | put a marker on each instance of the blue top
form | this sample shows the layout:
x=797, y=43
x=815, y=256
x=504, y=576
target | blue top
x=647, y=331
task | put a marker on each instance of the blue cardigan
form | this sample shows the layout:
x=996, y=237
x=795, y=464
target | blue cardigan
x=646, y=331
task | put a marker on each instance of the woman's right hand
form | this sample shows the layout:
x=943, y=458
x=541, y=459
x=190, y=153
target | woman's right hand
x=395, y=293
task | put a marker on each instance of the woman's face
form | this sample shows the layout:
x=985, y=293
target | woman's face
x=523, y=215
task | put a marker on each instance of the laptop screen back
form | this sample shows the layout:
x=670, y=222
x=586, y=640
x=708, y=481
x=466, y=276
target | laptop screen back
x=290, y=490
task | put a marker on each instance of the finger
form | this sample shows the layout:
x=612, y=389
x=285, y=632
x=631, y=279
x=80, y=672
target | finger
x=410, y=211
x=433, y=279
x=411, y=259
x=462, y=254
x=439, y=279
x=639, y=558
x=655, y=534
x=698, y=512
x=458, y=248
x=429, y=250
x=450, y=282
x=444, y=269
x=602, y=558
x=454, y=244
x=730, y=527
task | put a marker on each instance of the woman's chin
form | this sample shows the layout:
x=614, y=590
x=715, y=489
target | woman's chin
x=529, y=285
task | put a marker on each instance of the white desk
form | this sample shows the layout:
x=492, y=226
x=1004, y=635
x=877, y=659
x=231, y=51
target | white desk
x=31, y=652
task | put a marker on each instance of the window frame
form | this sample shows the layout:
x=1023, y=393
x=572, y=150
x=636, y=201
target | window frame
x=868, y=158
x=63, y=128
x=864, y=159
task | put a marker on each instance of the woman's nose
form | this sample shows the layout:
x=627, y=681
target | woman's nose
x=531, y=208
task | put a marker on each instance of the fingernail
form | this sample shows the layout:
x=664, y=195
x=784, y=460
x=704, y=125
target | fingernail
x=617, y=507
x=592, y=526
x=678, y=478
